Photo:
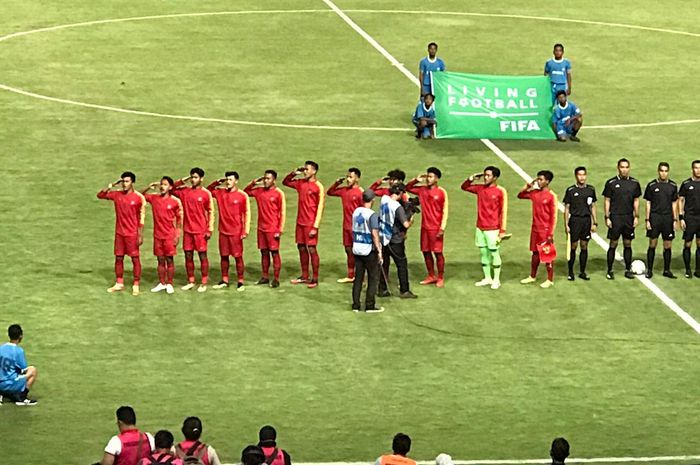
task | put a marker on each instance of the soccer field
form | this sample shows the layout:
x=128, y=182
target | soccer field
x=247, y=86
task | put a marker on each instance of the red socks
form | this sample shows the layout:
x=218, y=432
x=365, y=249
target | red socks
x=534, y=263
x=162, y=271
x=225, y=262
x=240, y=268
x=205, y=270
x=119, y=269
x=171, y=270
x=189, y=268
x=429, y=263
x=315, y=263
x=550, y=271
x=265, y=254
x=351, y=264
x=277, y=263
x=440, y=265
x=136, y=261
x=304, y=260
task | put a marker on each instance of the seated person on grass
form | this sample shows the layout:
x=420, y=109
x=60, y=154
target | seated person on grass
x=424, y=118
x=566, y=119
x=16, y=377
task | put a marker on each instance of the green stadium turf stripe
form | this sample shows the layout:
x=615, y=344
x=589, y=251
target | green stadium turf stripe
x=673, y=306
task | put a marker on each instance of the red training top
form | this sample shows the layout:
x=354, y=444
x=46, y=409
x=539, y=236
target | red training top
x=167, y=215
x=544, y=209
x=311, y=200
x=351, y=198
x=198, y=207
x=491, y=205
x=433, y=201
x=272, y=207
x=234, y=210
x=130, y=208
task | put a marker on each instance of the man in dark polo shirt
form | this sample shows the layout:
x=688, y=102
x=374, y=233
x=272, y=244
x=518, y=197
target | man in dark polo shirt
x=621, y=214
x=689, y=208
x=661, y=195
x=581, y=220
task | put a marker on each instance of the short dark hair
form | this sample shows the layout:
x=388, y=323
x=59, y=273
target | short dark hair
x=560, y=449
x=429, y=95
x=401, y=444
x=495, y=171
x=192, y=428
x=663, y=163
x=580, y=168
x=272, y=172
x=312, y=163
x=169, y=179
x=431, y=44
x=435, y=171
x=548, y=175
x=252, y=455
x=397, y=189
x=560, y=92
x=397, y=174
x=232, y=173
x=356, y=171
x=128, y=174
x=267, y=435
x=622, y=160
x=198, y=171
x=14, y=332
x=126, y=415
x=694, y=162
x=559, y=45
x=164, y=439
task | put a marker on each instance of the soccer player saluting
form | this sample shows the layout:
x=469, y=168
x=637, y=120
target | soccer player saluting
x=689, y=208
x=558, y=69
x=544, y=220
x=167, y=228
x=272, y=214
x=433, y=199
x=381, y=186
x=130, y=208
x=198, y=206
x=621, y=214
x=491, y=221
x=566, y=119
x=424, y=118
x=368, y=253
x=661, y=197
x=16, y=377
x=234, y=225
x=351, y=196
x=428, y=65
x=580, y=218
x=309, y=213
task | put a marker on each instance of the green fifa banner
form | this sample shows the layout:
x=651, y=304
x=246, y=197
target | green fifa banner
x=477, y=106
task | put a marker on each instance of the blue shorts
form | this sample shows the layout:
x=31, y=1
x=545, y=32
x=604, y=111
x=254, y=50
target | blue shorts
x=15, y=386
x=426, y=89
x=556, y=88
x=563, y=129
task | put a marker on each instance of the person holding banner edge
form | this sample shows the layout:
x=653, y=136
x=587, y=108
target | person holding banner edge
x=558, y=69
x=424, y=118
x=566, y=119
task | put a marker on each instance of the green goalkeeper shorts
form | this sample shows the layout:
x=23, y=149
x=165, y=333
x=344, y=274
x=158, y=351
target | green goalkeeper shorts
x=487, y=239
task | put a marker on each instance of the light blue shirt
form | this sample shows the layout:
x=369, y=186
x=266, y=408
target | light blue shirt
x=423, y=112
x=12, y=363
x=426, y=66
x=557, y=70
x=562, y=114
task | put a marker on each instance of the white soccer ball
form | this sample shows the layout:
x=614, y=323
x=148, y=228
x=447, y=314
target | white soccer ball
x=638, y=267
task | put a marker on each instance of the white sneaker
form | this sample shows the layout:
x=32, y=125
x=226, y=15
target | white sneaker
x=187, y=287
x=202, y=288
x=135, y=289
x=547, y=284
x=527, y=280
x=484, y=282
x=26, y=403
x=495, y=285
x=116, y=288
x=159, y=287
x=169, y=289
x=0, y=400
x=375, y=310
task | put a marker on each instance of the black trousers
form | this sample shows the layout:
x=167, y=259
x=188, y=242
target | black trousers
x=369, y=263
x=398, y=253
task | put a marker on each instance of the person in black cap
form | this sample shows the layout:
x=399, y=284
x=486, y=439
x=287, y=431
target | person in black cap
x=268, y=444
x=367, y=249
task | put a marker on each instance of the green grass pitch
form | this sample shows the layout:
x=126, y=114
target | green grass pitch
x=471, y=372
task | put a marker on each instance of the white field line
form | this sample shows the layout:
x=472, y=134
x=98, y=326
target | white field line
x=675, y=308
x=662, y=458
x=491, y=115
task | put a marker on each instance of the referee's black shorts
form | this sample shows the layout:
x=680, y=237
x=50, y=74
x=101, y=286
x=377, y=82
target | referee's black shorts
x=580, y=228
x=622, y=225
x=692, y=227
x=661, y=225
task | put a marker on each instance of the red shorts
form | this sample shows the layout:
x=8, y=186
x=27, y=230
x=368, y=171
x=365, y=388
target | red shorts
x=537, y=237
x=230, y=245
x=126, y=245
x=194, y=242
x=268, y=241
x=302, y=235
x=429, y=242
x=347, y=237
x=164, y=247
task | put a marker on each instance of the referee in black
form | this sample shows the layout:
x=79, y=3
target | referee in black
x=689, y=208
x=580, y=219
x=661, y=195
x=621, y=214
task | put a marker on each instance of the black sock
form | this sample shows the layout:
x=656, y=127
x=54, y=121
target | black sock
x=667, y=260
x=686, y=258
x=651, y=253
x=611, y=258
x=574, y=132
x=627, y=255
x=697, y=259
x=583, y=259
x=572, y=260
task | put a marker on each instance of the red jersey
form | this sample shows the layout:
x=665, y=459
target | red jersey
x=351, y=198
x=544, y=209
x=234, y=210
x=433, y=203
x=491, y=205
x=272, y=207
x=311, y=200
x=130, y=208
x=167, y=215
x=198, y=207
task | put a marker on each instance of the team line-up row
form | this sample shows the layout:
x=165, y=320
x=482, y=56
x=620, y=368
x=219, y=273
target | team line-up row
x=185, y=208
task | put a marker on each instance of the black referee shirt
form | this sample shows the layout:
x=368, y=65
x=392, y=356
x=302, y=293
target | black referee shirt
x=661, y=195
x=690, y=190
x=622, y=192
x=580, y=199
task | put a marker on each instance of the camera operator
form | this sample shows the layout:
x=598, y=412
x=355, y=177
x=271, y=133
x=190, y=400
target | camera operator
x=395, y=218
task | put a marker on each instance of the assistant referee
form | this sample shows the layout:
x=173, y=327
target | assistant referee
x=661, y=196
x=580, y=219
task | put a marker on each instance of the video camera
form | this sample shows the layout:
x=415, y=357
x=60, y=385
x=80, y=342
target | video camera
x=411, y=206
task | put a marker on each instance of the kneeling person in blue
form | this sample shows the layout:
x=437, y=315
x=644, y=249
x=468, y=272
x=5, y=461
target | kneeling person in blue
x=566, y=119
x=424, y=118
x=367, y=249
x=16, y=377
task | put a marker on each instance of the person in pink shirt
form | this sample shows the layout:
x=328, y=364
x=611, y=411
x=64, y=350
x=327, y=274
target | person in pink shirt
x=268, y=443
x=164, y=451
x=192, y=447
